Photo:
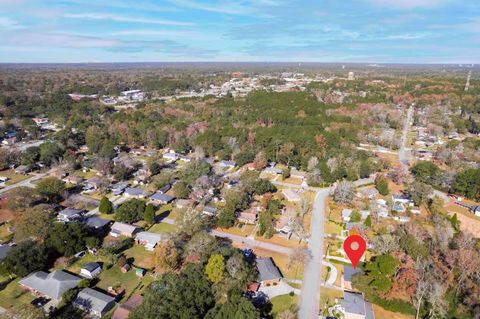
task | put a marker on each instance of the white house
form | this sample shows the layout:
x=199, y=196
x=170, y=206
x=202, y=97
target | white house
x=90, y=270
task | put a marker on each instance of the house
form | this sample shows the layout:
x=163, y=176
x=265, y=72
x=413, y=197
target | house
x=184, y=158
x=291, y=195
x=164, y=189
x=69, y=214
x=97, y=223
x=94, y=302
x=248, y=217
x=52, y=285
x=282, y=225
x=369, y=192
x=3, y=180
x=40, y=120
x=148, y=239
x=346, y=213
x=298, y=174
x=123, y=310
x=135, y=192
x=122, y=229
x=4, y=249
x=90, y=270
x=160, y=198
x=209, y=211
x=93, y=183
x=72, y=179
x=22, y=169
x=184, y=203
x=268, y=273
x=348, y=272
x=170, y=156
x=353, y=306
x=229, y=164
x=273, y=170
x=118, y=188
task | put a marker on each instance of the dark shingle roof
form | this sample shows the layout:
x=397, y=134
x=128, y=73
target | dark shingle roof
x=267, y=269
x=91, y=299
x=91, y=266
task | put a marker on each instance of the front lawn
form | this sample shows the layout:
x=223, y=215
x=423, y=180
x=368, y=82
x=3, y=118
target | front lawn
x=13, y=296
x=282, y=303
x=13, y=178
x=328, y=296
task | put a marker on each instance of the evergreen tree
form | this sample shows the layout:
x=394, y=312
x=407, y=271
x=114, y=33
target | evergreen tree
x=149, y=214
x=106, y=206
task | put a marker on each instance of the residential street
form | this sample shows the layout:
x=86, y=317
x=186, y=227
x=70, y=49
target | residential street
x=402, y=153
x=310, y=296
x=25, y=182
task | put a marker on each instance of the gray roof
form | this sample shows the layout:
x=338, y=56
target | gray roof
x=353, y=303
x=152, y=238
x=69, y=212
x=91, y=266
x=133, y=191
x=227, y=163
x=349, y=271
x=164, y=189
x=162, y=197
x=53, y=284
x=210, y=209
x=4, y=249
x=267, y=269
x=90, y=299
x=96, y=222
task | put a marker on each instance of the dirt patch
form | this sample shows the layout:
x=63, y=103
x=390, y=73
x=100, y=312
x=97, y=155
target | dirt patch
x=381, y=313
x=469, y=223
x=5, y=213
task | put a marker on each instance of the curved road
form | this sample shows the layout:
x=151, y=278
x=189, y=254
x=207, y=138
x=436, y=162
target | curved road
x=310, y=297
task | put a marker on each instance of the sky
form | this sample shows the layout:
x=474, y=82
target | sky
x=370, y=31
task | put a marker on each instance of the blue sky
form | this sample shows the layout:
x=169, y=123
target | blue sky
x=397, y=31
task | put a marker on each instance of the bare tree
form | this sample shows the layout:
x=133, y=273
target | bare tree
x=344, y=192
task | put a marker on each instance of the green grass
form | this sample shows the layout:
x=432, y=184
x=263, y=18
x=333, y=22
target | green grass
x=114, y=277
x=328, y=296
x=77, y=265
x=13, y=295
x=162, y=228
x=4, y=233
x=142, y=257
x=282, y=303
x=13, y=178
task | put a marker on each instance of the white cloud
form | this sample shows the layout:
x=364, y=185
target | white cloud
x=121, y=18
x=408, y=4
x=9, y=24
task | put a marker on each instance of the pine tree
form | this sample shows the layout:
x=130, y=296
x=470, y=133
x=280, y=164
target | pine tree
x=149, y=214
x=106, y=206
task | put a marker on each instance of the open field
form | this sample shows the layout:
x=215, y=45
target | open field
x=12, y=176
x=468, y=221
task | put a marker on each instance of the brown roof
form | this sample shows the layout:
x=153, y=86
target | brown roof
x=123, y=310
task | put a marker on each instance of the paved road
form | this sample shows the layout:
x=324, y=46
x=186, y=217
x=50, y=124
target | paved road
x=310, y=297
x=25, y=183
x=402, y=153
x=250, y=242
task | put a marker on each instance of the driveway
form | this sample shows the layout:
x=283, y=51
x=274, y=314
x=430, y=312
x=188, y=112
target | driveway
x=310, y=296
x=281, y=289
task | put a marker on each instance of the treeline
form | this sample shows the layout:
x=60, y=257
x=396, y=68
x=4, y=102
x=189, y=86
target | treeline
x=465, y=183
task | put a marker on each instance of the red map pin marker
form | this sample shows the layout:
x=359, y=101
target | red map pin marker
x=354, y=246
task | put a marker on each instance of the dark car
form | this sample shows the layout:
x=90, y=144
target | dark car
x=40, y=302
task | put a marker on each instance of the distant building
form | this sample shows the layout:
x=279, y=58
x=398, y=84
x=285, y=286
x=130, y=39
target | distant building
x=351, y=76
